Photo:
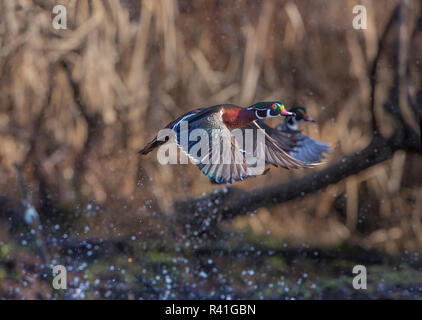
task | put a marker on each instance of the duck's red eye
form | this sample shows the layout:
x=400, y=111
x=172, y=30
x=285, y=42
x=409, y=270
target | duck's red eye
x=274, y=106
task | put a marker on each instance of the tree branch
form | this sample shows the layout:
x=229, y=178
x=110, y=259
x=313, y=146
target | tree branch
x=93, y=121
x=230, y=202
x=373, y=71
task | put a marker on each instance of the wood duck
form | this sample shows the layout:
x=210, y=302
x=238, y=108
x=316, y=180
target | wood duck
x=225, y=118
x=306, y=149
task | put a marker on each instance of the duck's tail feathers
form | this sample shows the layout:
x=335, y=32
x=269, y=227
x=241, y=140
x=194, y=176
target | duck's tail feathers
x=151, y=146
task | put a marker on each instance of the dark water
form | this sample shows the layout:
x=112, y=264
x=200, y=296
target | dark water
x=232, y=266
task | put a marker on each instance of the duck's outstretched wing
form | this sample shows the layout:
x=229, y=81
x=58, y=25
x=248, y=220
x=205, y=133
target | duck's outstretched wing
x=306, y=148
x=285, y=142
x=157, y=141
x=310, y=150
x=211, y=146
x=276, y=147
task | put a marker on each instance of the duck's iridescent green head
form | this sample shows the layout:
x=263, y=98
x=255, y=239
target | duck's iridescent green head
x=301, y=114
x=268, y=109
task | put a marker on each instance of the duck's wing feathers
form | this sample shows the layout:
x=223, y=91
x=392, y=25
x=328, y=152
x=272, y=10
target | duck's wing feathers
x=287, y=143
x=276, y=147
x=306, y=148
x=215, y=151
x=310, y=150
x=159, y=140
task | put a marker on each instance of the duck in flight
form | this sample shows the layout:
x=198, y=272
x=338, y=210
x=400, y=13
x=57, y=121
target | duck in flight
x=224, y=119
x=306, y=149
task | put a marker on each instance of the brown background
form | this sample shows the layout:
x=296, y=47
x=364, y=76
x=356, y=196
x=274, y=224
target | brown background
x=77, y=104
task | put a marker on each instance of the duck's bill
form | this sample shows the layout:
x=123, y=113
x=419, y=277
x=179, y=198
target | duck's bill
x=308, y=118
x=284, y=112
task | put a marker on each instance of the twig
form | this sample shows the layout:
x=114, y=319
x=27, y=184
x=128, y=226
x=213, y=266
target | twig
x=373, y=72
x=94, y=123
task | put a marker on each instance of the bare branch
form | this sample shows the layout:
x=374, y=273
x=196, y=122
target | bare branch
x=373, y=72
x=94, y=124
x=230, y=202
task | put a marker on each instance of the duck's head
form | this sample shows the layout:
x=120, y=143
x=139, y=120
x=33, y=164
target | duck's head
x=301, y=114
x=269, y=109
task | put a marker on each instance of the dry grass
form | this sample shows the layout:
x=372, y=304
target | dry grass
x=76, y=105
